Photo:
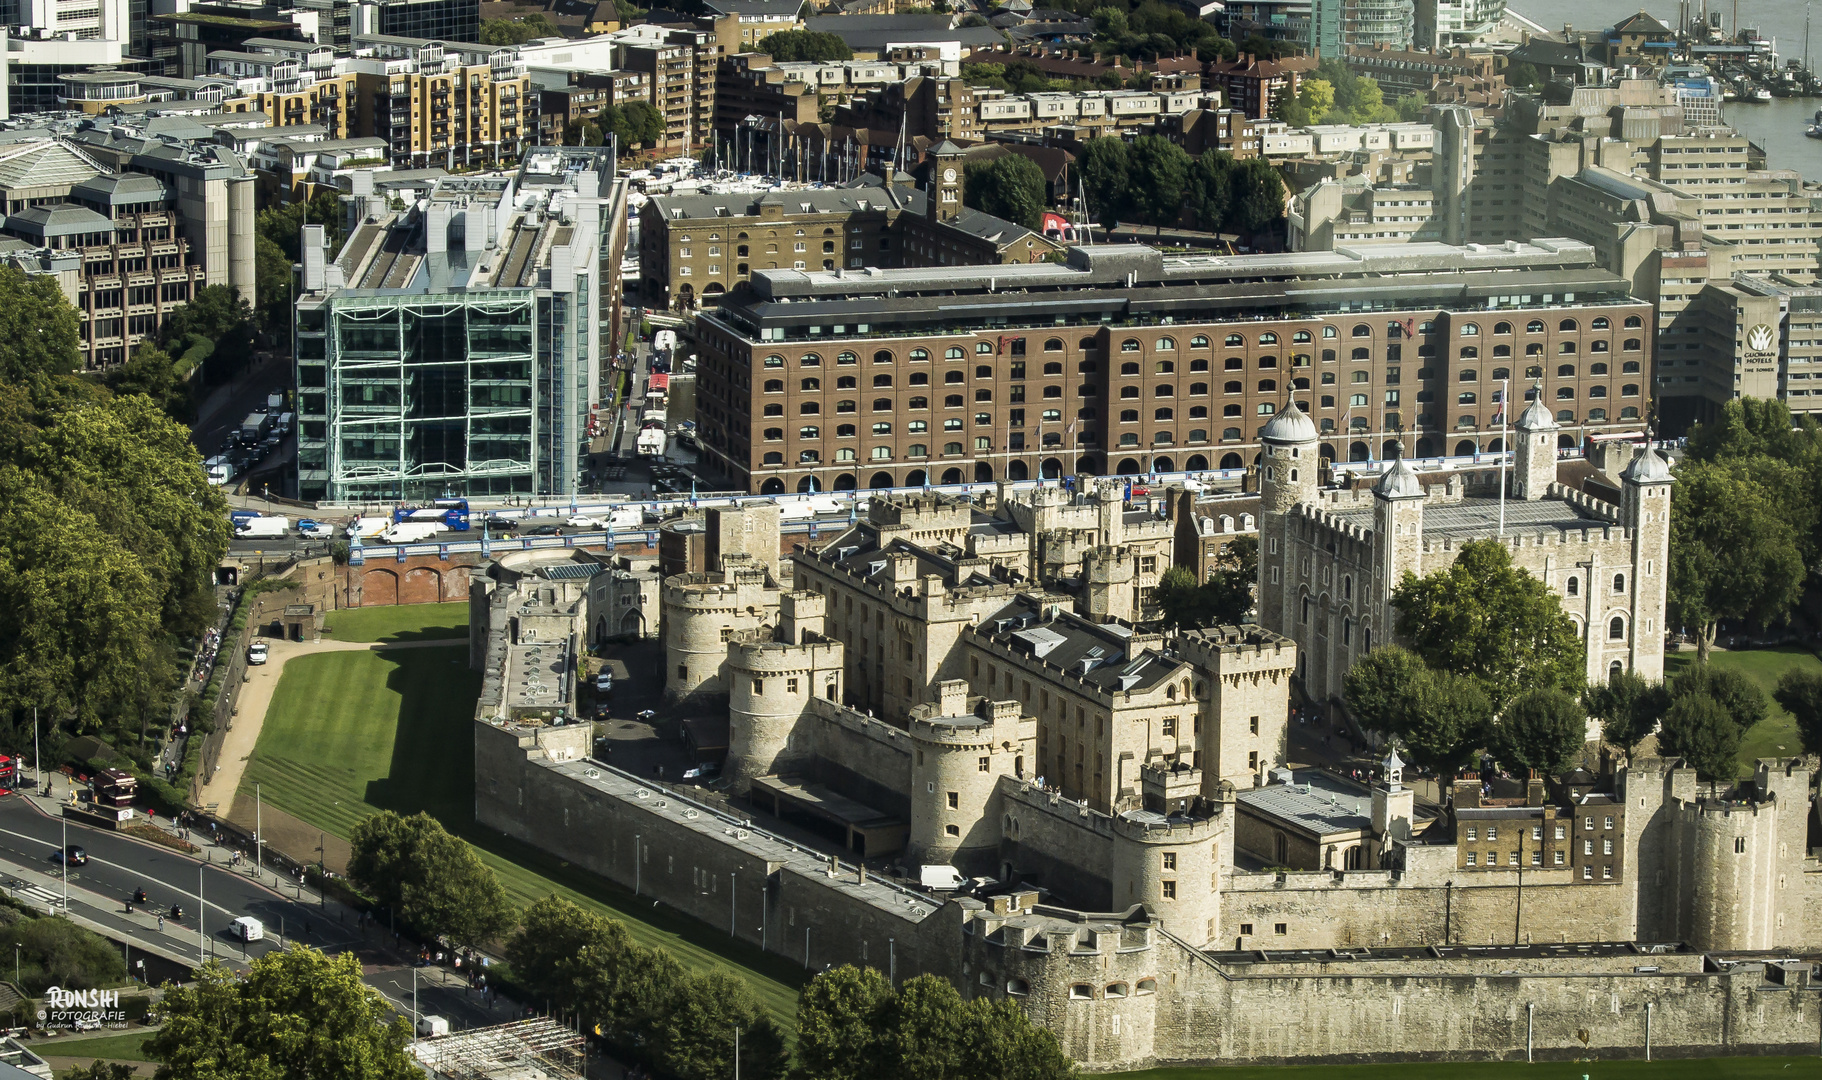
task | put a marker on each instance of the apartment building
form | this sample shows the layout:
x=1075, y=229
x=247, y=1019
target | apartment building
x=1252, y=85
x=943, y=108
x=1106, y=364
x=292, y=83
x=569, y=97
x=1352, y=213
x=1452, y=76
x=1338, y=25
x=681, y=63
x=176, y=217
x=442, y=102
x=455, y=346
x=758, y=19
x=1752, y=336
x=695, y=249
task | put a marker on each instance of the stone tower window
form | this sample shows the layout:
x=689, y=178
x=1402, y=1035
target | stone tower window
x=1573, y=587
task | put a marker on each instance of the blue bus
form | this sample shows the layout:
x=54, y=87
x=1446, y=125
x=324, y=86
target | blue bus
x=453, y=513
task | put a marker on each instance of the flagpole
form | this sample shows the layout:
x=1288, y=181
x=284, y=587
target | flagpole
x=1505, y=443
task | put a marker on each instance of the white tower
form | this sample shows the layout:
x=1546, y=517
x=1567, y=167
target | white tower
x=1287, y=476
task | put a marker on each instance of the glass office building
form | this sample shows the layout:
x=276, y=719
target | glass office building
x=465, y=356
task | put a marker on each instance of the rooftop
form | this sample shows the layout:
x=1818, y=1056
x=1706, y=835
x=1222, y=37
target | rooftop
x=1315, y=801
x=1479, y=516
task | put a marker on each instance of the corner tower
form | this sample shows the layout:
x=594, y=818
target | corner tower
x=1534, y=452
x=1288, y=468
x=1645, y=512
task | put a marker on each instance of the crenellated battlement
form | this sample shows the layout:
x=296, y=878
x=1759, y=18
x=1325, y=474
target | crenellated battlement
x=1583, y=501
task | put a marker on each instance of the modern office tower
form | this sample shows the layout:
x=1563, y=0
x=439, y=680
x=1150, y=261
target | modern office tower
x=452, y=346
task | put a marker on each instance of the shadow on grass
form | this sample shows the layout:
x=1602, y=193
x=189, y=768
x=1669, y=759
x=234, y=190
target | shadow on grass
x=432, y=770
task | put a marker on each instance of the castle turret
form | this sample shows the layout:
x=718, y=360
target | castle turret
x=1398, y=500
x=1394, y=805
x=1534, y=452
x=769, y=685
x=961, y=746
x=1109, y=573
x=1645, y=511
x=1169, y=865
x=1288, y=471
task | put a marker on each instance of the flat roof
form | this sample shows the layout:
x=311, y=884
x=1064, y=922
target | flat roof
x=1315, y=801
x=1480, y=516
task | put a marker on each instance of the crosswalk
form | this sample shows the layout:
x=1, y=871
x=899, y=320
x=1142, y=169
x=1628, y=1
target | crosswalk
x=39, y=895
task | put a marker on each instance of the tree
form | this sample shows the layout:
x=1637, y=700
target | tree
x=272, y=281
x=57, y=952
x=1543, y=730
x=296, y=1013
x=1257, y=203
x=1009, y=187
x=1738, y=696
x=640, y=124
x=1210, y=189
x=852, y=1025
x=1224, y=599
x=1800, y=692
x=1104, y=165
x=151, y=372
x=39, y=330
x=1382, y=688
x=1448, y=721
x=1110, y=22
x=1313, y=101
x=1628, y=707
x=1158, y=176
x=1521, y=76
x=518, y=31
x=1410, y=107
x=1698, y=730
x=796, y=45
x=1733, y=555
x=101, y=1070
x=432, y=879
x=1485, y=618
x=694, y=1039
x=837, y=1025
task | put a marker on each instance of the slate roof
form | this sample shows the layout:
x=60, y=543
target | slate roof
x=1098, y=654
x=128, y=189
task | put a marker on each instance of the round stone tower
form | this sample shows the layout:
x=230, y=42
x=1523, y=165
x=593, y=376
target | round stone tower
x=770, y=684
x=1169, y=865
x=1288, y=468
x=700, y=612
x=960, y=746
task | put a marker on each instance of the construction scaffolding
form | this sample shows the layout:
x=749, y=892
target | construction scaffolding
x=537, y=1049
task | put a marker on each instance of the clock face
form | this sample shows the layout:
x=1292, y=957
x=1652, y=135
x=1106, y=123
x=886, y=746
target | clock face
x=949, y=176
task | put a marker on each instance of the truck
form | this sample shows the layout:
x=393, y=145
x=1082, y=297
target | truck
x=664, y=341
x=368, y=528
x=285, y=421
x=411, y=532
x=219, y=469
x=630, y=518
x=264, y=528
x=237, y=518
x=275, y=403
x=452, y=512
x=255, y=427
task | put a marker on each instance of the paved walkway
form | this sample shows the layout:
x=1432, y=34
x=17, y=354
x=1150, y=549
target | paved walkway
x=256, y=698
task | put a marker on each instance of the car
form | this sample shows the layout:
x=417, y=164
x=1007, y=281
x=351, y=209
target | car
x=72, y=854
x=501, y=524
x=547, y=530
x=583, y=521
x=604, y=682
x=315, y=530
x=256, y=653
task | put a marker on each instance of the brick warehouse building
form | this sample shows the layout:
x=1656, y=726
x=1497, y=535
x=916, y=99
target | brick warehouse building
x=1126, y=360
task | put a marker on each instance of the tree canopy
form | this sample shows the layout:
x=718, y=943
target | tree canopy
x=1441, y=717
x=1800, y=692
x=1485, y=618
x=1736, y=694
x=518, y=30
x=57, y=952
x=1628, y=707
x=296, y=1013
x=1224, y=599
x=641, y=1001
x=432, y=879
x=797, y=45
x=1542, y=729
x=1698, y=730
x=1009, y=187
x=853, y=1025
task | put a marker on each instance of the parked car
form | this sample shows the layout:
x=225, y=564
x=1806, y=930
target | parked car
x=256, y=653
x=604, y=682
x=73, y=855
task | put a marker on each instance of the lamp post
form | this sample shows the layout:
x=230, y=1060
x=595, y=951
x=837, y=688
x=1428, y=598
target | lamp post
x=202, y=942
x=66, y=866
x=259, y=843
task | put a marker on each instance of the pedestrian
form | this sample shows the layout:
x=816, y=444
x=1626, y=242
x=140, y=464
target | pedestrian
x=161, y=924
x=306, y=927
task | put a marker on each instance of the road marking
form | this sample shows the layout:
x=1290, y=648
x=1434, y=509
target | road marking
x=142, y=874
x=40, y=894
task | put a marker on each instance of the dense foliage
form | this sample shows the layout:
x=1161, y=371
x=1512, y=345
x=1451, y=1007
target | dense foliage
x=1155, y=182
x=644, y=1003
x=1224, y=599
x=789, y=46
x=433, y=880
x=1009, y=187
x=854, y=1025
x=518, y=30
x=57, y=952
x=296, y=1013
x=111, y=536
x=1800, y=692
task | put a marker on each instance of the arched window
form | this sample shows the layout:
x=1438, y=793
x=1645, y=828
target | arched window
x=1465, y=399
x=774, y=386
x=1467, y=375
x=882, y=380
x=1565, y=416
x=883, y=356
x=1565, y=393
x=1363, y=330
x=917, y=450
x=1470, y=330
x=1597, y=391
x=1566, y=348
x=882, y=428
x=955, y=377
x=1502, y=350
x=1567, y=326
x=1129, y=416
x=1165, y=367
x=1301, y=337
x=1200, y=341
x=1619, y=583
x=1597, y=346
x=1164, y=390
x=773, y=458
x=920, y=354
x=1362, y=376
x=844, y=431
x=1597, y=369
x=1268, y=338
x=983, y=348
x=1053, y=368
x=1053, y=345
x=1088, y=343
x=812, y=384
x=1573, y=587
x=1129, y=391
x=1268, y=386
x=1470, y=352
x=1616, y=629
x=1631, y=344
x=1630, y=412
x=1502, y=328
x=1363, y=354
x=809, y=408
x=983, y=371
x=953, y=401
x=1633, y=322
x=846, y=358
x=1629, y=390
x=882, y=404
x=1164, y=344
x=1130, y=345
x=1162, y=414
x=1129, y=369
x=1501, y=374
x=953, y=352
x=1535, y=326
x=1565, y=371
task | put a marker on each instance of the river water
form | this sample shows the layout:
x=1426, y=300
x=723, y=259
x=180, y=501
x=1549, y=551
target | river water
x=1776, y=125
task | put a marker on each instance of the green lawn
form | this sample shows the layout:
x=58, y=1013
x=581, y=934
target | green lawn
x=353, y=733
x=119, y=1047
x=403, y=622
x=1735, y=1068
x=1776, y=735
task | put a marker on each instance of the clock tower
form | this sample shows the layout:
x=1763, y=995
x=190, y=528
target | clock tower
x=945, y=191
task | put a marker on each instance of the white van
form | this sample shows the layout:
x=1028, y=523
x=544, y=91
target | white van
x=247, y=928
x=432, y=1027
x=256, y=653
